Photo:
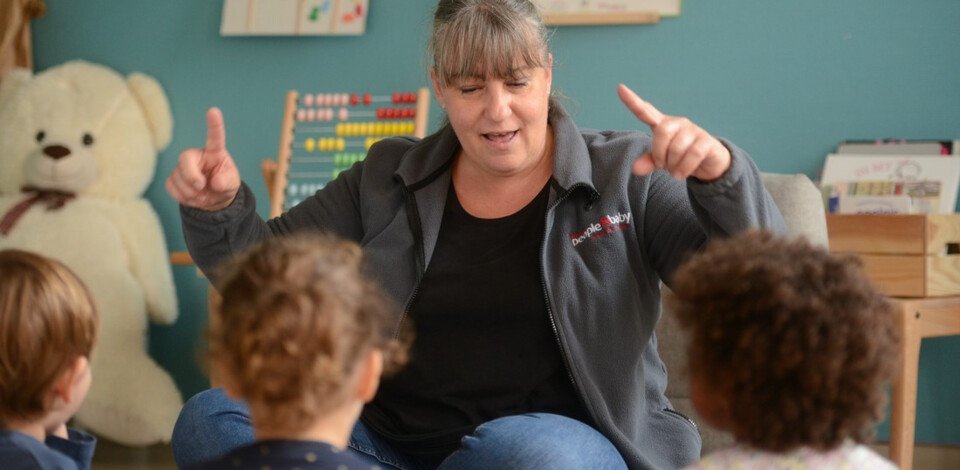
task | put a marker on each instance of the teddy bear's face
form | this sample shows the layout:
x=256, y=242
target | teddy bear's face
x=61, y=162
x=77, y=127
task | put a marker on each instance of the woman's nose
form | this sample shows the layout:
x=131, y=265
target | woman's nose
x=498, y=104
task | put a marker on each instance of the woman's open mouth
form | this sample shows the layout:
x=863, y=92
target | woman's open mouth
x=500, y=137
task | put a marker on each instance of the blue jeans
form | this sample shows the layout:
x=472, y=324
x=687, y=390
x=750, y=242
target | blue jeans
x=211, y=425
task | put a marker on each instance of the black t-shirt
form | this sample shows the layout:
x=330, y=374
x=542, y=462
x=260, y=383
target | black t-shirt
x=485, y=346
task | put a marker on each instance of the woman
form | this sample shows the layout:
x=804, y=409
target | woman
x=527, y=253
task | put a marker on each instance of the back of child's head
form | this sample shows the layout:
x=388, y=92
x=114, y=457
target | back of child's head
x=47, y=320
x=797, y=343
x=297, y=317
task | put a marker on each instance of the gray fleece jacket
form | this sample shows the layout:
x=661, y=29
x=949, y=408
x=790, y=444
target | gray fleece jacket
x=610, y=238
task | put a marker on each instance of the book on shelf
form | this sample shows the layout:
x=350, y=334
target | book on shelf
x=899, y=147
x=890, y=184
x=874, y=205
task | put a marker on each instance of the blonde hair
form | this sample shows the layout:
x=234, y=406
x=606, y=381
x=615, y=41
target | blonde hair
x=296, y=319
x=482, y=38
x=47, y=320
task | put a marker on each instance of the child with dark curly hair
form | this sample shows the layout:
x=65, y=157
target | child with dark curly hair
x=302, y=337
x=48, y=329
x=790, y=350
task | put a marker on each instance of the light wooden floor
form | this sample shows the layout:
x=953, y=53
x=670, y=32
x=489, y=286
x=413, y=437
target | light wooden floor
x=112, y=456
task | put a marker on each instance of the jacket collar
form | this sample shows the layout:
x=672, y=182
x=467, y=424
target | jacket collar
x=572, y=165
x=428, y=159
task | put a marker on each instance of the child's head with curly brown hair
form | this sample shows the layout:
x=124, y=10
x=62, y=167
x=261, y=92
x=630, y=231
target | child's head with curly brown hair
x=302, y=334
x=790, y=346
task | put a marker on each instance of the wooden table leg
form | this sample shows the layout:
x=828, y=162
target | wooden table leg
x=904, y=408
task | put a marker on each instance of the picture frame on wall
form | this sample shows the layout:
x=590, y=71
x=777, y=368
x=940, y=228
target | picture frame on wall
x=606, y=12
x=294, y=17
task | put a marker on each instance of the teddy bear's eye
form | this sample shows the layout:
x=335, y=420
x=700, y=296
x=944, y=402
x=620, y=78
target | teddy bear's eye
x=40, y=136
x=87, y=139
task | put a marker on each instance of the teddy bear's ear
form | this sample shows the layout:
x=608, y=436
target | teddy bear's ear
x=156, y=107
x=12, y=81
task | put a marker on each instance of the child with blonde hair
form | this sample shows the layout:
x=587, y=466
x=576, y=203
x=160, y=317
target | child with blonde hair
x=48, y=327
x=790, y=351
x=302, y=337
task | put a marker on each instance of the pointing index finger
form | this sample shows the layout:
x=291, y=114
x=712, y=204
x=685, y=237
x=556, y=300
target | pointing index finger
x=216, y=134
x=645, y=112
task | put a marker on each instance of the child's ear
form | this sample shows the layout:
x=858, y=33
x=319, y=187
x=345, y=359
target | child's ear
x=229, y=387
x=369, y=375
x=63, y=388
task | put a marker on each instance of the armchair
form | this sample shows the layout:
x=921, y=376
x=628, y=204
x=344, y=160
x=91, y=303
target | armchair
x=801, y=204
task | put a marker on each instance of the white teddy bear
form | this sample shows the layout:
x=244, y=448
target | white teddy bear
x=78, y=147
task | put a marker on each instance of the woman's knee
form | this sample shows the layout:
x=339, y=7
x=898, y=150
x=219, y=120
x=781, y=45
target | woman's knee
x=210, y=424
x=536, y=440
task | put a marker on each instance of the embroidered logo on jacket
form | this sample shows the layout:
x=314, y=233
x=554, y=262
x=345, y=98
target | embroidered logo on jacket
x=605, y=226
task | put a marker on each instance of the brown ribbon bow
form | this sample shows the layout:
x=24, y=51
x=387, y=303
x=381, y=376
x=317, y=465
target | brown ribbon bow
x=53, y=198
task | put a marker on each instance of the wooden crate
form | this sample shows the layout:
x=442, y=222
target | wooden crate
x=906, y=255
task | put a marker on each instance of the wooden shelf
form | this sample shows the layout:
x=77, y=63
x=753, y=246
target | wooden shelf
x=583, y=19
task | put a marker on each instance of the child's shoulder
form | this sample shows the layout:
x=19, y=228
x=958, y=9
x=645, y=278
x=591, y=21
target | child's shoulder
x=19, y=451
x=851, y=456
x=288, y=454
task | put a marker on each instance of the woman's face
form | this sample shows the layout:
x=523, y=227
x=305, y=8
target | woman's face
x=501, y=122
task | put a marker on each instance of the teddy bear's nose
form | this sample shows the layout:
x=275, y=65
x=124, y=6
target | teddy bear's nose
x=56, y=152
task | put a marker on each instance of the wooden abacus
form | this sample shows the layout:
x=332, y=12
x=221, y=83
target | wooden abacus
x=325, y=133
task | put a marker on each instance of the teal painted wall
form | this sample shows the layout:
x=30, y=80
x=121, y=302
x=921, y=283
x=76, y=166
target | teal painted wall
x=784, y=80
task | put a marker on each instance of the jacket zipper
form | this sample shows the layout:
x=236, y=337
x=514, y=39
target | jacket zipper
x=546, y=298
x=413, y=219
x=681, y=415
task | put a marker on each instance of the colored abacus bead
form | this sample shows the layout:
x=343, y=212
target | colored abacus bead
x=301, y=114
x=308, y=100
x=367, y=99
x=308, y=144
x=344, y=114
x=397, y=97
x=354, y=100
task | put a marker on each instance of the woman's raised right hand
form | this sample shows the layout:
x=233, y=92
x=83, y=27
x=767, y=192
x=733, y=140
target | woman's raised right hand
x=206, y=178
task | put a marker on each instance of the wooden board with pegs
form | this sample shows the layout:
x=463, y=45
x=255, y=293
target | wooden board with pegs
x=322, y=134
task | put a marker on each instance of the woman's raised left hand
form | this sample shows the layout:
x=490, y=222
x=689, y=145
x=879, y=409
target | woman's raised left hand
x=680, y=147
